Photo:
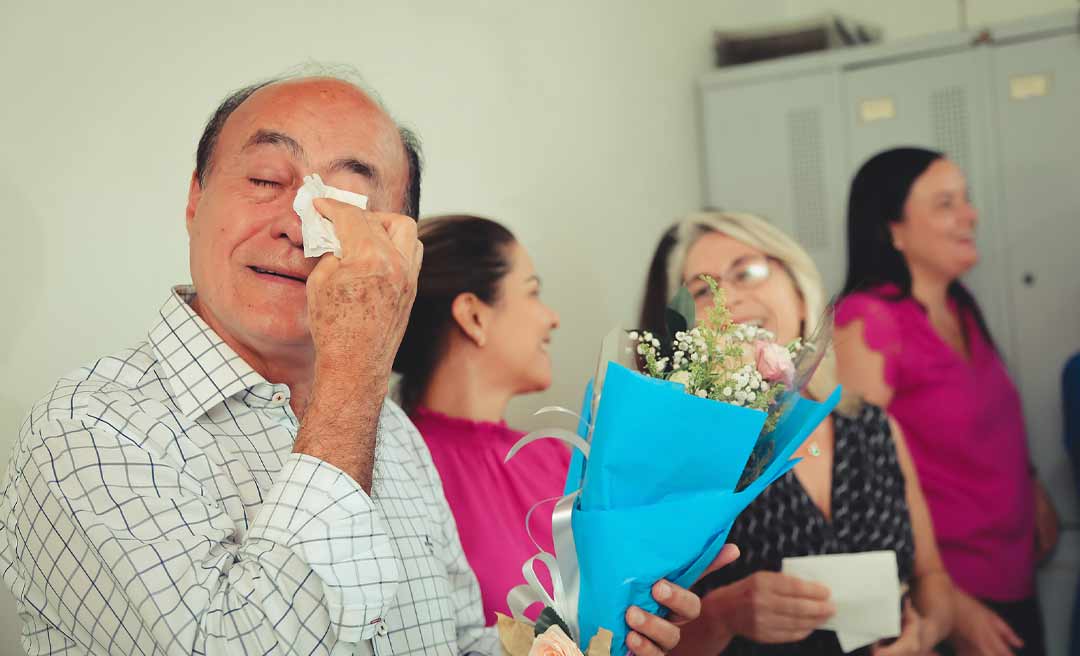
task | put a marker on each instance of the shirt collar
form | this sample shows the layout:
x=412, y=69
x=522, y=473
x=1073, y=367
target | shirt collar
x=199, y=368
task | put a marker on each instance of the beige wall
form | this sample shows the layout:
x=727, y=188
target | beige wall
x=572, y=122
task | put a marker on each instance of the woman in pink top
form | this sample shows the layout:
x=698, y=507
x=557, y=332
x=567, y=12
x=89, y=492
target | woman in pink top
x=478, y=335
x=911, y=338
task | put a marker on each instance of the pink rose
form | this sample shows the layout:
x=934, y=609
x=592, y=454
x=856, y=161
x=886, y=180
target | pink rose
x=774, y=362
x=554, y=642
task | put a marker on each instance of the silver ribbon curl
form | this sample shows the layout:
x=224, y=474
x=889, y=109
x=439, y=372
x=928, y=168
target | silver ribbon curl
x=563, y=565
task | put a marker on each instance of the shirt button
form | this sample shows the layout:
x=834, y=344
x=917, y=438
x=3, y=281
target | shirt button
x=278, y=398
x=382, y=629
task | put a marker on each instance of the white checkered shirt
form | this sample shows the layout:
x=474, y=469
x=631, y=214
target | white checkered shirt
x=153, y=505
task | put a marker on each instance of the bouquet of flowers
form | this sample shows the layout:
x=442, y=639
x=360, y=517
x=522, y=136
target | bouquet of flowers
x=679, y=433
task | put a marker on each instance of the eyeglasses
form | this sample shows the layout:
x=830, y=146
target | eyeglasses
x=747, y=272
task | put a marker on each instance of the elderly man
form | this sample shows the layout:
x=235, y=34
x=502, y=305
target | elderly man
x=238, y=480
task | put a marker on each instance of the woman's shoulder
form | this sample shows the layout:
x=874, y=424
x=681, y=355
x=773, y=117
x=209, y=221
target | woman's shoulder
x=883, y=317
x=879, y=302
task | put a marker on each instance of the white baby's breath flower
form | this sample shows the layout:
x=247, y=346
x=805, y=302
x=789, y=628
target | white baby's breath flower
x=727, y=391
x=764, y=387
x=641, y=349
x=740, y=396
x=751, y=397
x=656, y=343
x=701, y=394
x=633, y=335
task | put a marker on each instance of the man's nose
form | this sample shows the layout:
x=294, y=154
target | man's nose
x=287, y=226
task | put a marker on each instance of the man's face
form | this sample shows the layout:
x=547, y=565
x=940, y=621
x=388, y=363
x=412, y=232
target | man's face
x=246, y=250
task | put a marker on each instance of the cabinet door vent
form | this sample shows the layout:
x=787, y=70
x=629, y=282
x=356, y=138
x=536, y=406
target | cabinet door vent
x=951, y=126
x=807, y=160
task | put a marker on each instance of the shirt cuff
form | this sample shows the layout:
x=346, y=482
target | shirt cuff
x=326, y=518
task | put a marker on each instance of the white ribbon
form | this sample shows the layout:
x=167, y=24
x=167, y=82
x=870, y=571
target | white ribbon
x=563, y=566
x=569, y=437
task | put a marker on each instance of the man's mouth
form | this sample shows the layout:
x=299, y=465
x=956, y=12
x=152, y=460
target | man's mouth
x=279, y=274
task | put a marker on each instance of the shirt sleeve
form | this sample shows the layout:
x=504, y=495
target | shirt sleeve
x=881, y=331
x=119, y=547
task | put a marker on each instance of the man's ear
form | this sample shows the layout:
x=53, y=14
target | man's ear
x=471, y=316
x=193, y=197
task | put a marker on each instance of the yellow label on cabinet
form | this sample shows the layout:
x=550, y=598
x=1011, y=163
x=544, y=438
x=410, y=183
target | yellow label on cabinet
x=1022, y=87
x=876, y=109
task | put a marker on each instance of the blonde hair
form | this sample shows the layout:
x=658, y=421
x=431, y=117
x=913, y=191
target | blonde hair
x=757, y=232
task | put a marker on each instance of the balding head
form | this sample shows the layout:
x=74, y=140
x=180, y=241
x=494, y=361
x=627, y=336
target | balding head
x=407, y=140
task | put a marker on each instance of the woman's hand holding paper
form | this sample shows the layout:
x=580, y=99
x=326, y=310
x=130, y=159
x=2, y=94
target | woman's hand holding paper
x=769, y=607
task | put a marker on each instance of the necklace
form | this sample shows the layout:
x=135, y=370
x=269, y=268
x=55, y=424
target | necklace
x=814, y=449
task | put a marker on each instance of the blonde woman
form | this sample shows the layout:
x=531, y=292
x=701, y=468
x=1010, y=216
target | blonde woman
x=855, y=489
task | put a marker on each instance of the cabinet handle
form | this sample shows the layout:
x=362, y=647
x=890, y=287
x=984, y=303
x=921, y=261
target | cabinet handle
x=1029, y=279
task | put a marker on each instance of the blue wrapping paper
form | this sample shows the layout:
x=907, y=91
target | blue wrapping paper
x=658, y=490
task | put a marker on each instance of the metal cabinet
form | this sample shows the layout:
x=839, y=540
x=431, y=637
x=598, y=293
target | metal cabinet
x=1035, y=95
x=773, y=148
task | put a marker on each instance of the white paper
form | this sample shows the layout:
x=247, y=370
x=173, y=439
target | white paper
x=317, y=230
x=865, y=590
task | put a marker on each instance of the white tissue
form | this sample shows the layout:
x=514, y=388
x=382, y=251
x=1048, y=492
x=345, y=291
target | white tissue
x=865, y=590
x=318, y=232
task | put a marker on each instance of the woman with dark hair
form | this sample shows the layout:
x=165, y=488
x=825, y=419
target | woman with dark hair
x=655, y=302
x=911, y=338
x=477, y=337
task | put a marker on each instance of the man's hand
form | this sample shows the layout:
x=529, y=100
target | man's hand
x=654, y=636
x=358, y=309
x=979, y=631
x=358, y=306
